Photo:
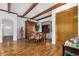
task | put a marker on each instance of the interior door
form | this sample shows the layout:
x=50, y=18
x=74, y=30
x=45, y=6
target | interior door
x=45, y=28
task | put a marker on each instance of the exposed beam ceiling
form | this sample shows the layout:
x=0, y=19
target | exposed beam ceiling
x=49, y=9
x=44, y=17
x=14, y=13
x=29, y=9
x=9, y=7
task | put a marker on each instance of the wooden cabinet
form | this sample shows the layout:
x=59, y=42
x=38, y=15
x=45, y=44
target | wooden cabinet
x=60, y=26
x=29, y=28
x=75, y=21
x=66, y=24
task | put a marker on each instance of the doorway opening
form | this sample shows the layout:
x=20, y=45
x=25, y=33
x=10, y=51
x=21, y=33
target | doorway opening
x=7, y=30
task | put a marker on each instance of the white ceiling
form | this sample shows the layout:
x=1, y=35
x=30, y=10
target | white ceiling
x=38, y=9
x=3, y=6
x=20, y=8
x=47, y=19
x=46, y=14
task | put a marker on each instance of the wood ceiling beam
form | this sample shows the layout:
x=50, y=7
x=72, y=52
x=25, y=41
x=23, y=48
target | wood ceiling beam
x=9, y=7
x=49, y=9
x=44, y=17
x=29, y=9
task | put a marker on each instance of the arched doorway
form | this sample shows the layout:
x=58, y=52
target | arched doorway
x=7, y=30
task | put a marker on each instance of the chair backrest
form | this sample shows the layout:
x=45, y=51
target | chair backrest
x=41, y=35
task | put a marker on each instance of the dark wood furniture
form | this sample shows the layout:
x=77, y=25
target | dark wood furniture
x=29, y=28
x=36, y=37
x=72, y=50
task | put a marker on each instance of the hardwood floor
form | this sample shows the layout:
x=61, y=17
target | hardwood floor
x=23, y=48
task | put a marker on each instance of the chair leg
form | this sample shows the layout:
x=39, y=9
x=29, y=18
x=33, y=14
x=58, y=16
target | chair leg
x=35, y=41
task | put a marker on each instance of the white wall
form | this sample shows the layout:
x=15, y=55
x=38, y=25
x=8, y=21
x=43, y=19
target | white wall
x=17, y=24
x=64, y=7
x=0, y=28
x=20, y=23
x=12, y=17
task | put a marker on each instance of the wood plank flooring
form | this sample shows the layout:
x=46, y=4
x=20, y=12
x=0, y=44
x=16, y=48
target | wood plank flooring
x=23, y=48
